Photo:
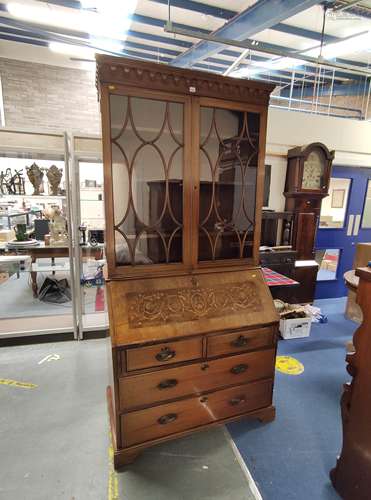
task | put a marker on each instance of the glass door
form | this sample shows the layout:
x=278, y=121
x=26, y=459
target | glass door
x=36, y=277
x=145, y=188
x=228, y=170
x=89, y=230
x=344, y=222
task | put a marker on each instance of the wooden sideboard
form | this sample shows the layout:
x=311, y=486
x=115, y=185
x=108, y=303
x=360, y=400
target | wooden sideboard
x=192, y=322
x=352, y=475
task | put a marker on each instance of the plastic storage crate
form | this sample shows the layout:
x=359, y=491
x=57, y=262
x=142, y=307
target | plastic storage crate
x=295, y=328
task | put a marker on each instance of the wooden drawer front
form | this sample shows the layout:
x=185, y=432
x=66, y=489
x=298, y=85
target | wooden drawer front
x=163, y=354
x=152, y=423
x=150, y=388
x=248, y=340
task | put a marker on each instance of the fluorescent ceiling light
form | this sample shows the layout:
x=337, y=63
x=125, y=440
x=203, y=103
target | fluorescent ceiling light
x=72, y=50
x=106, y=45
x=355, y=43
x=111, y=18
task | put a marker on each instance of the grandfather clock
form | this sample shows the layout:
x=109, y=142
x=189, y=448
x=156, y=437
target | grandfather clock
x=307, y=182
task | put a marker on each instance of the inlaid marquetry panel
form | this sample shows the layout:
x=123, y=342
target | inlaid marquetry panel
x=188, y=304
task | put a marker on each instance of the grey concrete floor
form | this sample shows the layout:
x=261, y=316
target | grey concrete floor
x=54, y=438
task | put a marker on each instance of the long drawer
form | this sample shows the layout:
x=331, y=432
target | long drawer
x=230, y=343
x=145, y=425
x=151, y=388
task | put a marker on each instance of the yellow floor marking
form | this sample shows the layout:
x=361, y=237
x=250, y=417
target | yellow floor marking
x=289, y=365
x=16, y=383
x=113, y=483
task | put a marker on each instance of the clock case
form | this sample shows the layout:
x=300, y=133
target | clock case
x=295, y=170
x=305, y=204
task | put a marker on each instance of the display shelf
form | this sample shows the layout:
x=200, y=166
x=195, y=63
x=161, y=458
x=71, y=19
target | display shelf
x=33, y=196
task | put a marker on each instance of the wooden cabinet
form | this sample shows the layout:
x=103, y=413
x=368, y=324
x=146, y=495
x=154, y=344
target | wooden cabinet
x=193, y=326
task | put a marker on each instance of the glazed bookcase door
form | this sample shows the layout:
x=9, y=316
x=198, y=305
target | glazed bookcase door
x=148, y=149
x=230, y=172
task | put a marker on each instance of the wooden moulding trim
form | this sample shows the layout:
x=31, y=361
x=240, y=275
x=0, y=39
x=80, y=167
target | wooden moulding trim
x=117, y=70
x=300, y=151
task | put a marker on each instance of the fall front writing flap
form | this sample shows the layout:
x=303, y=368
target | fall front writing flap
x=146, y=310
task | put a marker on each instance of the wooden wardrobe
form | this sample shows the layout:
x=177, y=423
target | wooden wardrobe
x=192, y=322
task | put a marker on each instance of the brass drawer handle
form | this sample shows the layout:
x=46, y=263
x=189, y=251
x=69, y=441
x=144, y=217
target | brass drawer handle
x=239, y=369
x=165, y=354
x=237, y=401
x=167, y=419
x=167, y=384
x=240, y=341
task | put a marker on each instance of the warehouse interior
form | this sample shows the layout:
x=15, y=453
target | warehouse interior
x=185, y=249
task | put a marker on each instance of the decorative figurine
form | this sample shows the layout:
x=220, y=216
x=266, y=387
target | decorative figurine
x=12, y=184
x=58, y=228
x=35, y=174
x=54, y=175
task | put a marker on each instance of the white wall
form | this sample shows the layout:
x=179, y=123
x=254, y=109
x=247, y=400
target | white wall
x=351, y=140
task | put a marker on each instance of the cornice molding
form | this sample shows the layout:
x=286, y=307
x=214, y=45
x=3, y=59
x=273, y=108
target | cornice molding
x=122, y=71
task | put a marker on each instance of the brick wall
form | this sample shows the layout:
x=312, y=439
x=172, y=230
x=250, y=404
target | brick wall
x=51, y=98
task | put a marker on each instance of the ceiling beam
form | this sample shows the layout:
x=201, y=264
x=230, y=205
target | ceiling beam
x=262, y=15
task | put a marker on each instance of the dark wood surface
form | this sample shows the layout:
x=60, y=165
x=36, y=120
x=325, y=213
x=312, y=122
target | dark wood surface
x=352, y=475
x=193, y=340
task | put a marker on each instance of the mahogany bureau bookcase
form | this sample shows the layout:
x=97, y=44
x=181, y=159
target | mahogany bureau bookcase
x=193, y=325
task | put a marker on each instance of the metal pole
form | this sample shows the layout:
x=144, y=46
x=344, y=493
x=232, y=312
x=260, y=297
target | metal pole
x=346, y=6
x=291, y=87
x=368, y=98
x=76, y=220
x=67, y=162
x=239, y=59
x=331, y=92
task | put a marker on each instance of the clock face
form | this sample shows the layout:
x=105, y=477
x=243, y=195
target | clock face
x=313, y=171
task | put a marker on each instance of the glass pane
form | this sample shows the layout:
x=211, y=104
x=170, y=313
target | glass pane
x=366, y=218
x=35, y=275
x=229, y=145
x=334, y=206
x=92, y=224
x=147, y=163
x=313, y=170
x=328, y=261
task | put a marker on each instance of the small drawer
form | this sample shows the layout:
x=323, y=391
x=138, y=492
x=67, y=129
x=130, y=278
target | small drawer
x=195, y=378
x=229, y=343
x=152, y=423
x=163, y=354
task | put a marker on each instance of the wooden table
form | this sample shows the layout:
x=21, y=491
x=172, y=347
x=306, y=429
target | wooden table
x=49, y=252
x=279, y=284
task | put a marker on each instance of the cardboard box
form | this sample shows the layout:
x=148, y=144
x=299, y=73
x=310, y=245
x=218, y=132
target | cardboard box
x=295, y=328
